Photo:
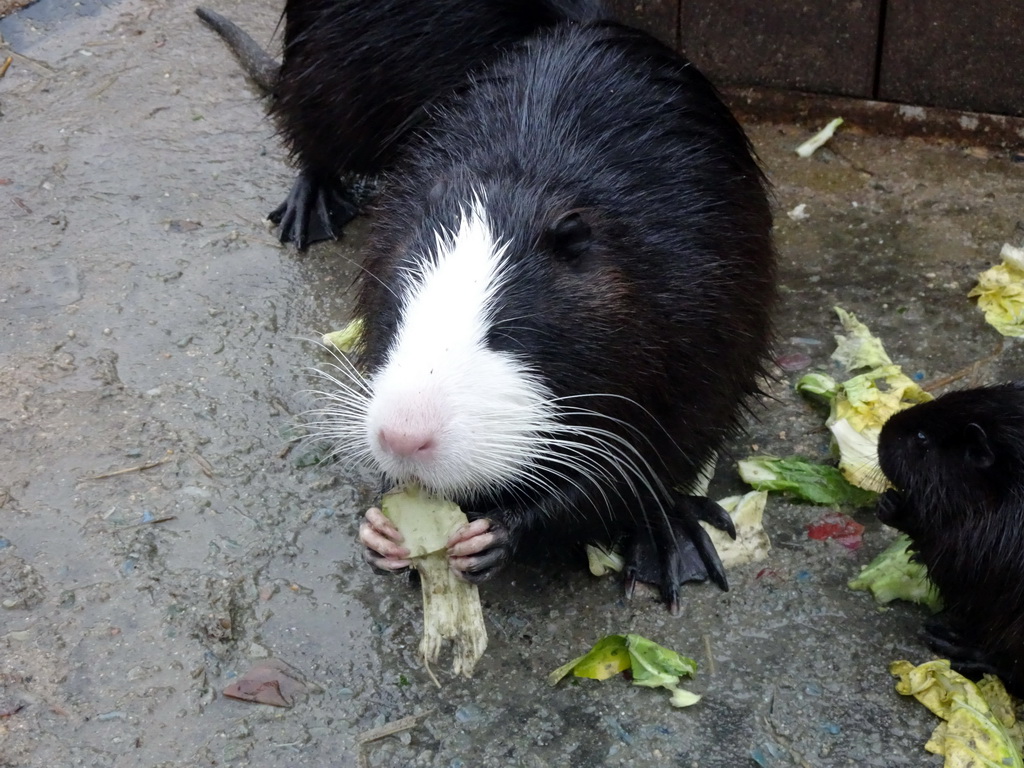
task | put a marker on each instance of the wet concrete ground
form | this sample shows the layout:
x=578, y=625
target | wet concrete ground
x=148, y=316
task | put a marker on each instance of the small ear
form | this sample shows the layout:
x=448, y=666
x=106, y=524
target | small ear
x=978, y=450
x=570, y=235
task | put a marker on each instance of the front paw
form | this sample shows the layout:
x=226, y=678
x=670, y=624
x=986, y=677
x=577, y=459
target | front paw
x=383, y=547
x=479, y=549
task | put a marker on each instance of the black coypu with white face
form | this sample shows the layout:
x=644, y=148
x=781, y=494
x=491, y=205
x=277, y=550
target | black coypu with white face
x=567, y=297
x=569, y=285
x=957, y=464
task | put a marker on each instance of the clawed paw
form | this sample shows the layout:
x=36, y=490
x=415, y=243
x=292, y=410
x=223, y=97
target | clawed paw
x=383, y=543
x=479, y=549
x=476, y=551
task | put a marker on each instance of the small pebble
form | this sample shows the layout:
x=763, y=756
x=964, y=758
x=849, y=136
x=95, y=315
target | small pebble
x=138, y=673
x=257, y=651
x=468, y=714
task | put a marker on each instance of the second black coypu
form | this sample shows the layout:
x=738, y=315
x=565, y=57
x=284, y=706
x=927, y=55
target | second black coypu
x=357, y=80
x=957, y=464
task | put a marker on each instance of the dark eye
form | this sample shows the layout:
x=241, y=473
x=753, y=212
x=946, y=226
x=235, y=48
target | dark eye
x=569, y=237
x=922, y=440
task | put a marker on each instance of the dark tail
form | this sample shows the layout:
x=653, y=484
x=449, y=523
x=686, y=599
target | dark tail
x=259, y=65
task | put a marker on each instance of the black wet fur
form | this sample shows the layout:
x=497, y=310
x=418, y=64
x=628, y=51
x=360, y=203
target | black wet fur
x=642, y=262
x=957, y=464
x=259, y=65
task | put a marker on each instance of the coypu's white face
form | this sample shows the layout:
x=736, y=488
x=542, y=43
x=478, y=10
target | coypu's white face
x=445, y=410
x=458, y=403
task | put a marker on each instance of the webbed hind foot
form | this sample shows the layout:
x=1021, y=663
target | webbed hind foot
x=314, y=210
x=676, y=549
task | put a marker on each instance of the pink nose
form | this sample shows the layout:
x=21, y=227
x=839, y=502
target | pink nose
x=406, y=443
